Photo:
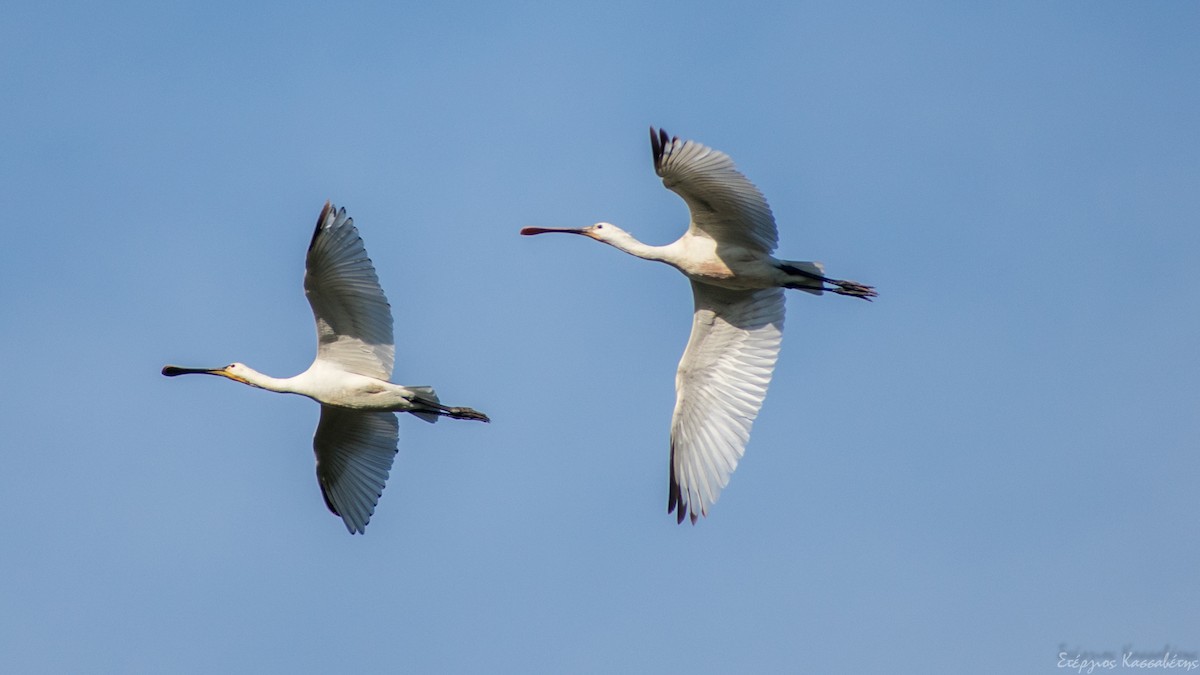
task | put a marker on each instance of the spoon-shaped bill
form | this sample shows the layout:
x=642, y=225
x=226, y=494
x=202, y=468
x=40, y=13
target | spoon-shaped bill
x=543, y=230
x=172, y=371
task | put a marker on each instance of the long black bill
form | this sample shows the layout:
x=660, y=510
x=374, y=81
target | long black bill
x=544, y=230
x=172, y=371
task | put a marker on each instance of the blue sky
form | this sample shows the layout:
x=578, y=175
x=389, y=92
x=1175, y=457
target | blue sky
x=995, y=462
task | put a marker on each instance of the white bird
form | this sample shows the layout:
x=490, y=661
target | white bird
x=737, y=326
x=355, y=441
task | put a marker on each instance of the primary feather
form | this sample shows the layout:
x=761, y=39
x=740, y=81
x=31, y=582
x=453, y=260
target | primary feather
x=354, y=319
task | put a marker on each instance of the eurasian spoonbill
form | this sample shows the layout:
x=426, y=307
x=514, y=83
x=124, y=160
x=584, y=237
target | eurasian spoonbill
x=738, y=321
x=355, y=441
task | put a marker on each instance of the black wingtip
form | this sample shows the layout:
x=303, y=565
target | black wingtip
x=659, y=142
x=675, y=496
x=320, y=221
x=655, y=146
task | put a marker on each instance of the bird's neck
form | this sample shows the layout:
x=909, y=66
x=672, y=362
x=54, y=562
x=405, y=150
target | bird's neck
x=632, y=246
x=264, y=381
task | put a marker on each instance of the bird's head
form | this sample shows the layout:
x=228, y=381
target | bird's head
x=605, y=232
x=238, y=372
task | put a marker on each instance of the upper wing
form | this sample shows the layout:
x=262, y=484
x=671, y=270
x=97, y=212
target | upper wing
x=720, y=386
x=354, y=455
x=724, y=205
x=354, y=320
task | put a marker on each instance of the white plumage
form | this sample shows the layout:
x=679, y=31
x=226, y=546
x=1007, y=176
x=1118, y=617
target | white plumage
x=738, y=322
x=355, y=441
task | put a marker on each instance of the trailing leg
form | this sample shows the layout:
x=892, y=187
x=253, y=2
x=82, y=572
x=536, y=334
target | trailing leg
x=811, y=278
x=431, y=410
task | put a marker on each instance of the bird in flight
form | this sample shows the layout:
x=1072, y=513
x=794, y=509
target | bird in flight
x=355, y=441
x=737, y=326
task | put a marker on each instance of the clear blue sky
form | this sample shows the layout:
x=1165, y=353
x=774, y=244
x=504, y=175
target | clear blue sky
x=998, y=460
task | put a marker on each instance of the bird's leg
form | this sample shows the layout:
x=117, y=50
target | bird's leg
x=841, y=286
x=447, y=411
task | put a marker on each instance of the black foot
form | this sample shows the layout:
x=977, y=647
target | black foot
x=853, y=289
x=466, y=414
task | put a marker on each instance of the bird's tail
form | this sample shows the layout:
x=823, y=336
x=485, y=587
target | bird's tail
x=806, y=276
x=428, y=395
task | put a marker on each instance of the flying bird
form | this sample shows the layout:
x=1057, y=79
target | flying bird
x=355, y=441
x=738, y=322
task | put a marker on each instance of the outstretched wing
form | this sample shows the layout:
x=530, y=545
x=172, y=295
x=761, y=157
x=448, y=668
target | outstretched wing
x=720, y=386
x=725, y=205
x=354, y=456
x=354, y=320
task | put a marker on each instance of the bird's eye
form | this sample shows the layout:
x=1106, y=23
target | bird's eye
x=599, y=227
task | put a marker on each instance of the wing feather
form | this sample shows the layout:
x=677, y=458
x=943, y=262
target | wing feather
x=354, y=452
x=720, y=386
x=725, y=205
x=354, y=319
